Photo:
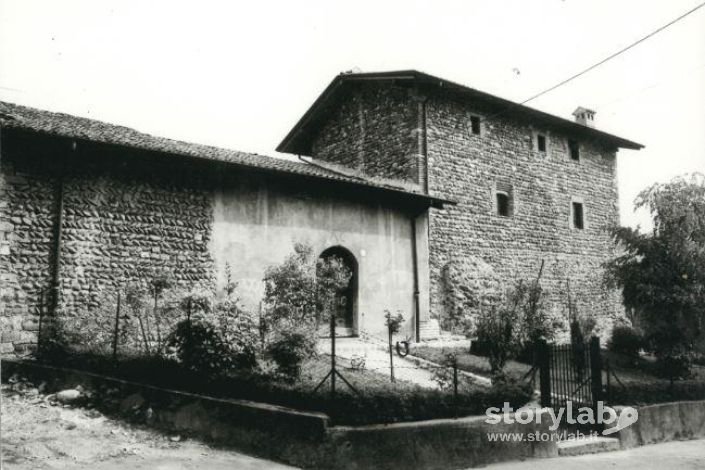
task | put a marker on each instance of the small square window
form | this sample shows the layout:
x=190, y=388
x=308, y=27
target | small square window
x=578, y=216
x=475, y=125
x=541, y=142
x=574, y=148
x=503, y=204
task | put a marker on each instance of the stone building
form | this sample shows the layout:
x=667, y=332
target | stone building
x=530, y=188
x=413, y=180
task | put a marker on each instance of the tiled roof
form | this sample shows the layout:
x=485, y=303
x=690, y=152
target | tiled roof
x=74, y=127
x=298, y=141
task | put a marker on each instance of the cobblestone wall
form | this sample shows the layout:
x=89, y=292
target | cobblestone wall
x=379, y=123
x=374, y=131
x=470, y=168
x=126, y=217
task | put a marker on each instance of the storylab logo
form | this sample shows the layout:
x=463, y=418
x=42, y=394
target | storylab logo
x=602, y=415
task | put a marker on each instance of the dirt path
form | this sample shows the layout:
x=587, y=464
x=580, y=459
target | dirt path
x=376, y=358
x=36, y=435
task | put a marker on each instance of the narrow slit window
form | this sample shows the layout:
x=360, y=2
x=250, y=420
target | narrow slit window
x=574, y=148
x=475, y=125
x=503, y=204
x=578, y=216
x=541, y=142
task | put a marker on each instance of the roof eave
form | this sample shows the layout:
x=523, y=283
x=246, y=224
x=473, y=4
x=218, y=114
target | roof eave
x=292, y=144
x=425, y=199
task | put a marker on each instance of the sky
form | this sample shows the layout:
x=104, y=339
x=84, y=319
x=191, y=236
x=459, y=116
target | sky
x=240, y=74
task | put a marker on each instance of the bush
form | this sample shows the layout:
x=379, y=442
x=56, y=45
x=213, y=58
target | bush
x=657, y=392
x=674, y=367
x=199, y=347
x=626, y=340
x=290, y=348
x=498, y=329
x=479, y=347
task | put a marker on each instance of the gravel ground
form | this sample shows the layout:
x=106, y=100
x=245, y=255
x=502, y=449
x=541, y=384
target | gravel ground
x=376, y=359
x=39, y=435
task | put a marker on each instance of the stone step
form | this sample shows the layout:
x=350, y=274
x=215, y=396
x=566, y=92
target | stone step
x=587, y=445
x=429, y=329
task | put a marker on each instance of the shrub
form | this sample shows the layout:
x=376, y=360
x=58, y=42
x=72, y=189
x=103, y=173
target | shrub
x=479, y=347
x=290, y=348
x=393, y=322
x=657, y=392
x=626, y=340
x=199, y=347
x=240, y=332
x=290, y=287
x=674, y=367
x=498, y=329
x=302, y=289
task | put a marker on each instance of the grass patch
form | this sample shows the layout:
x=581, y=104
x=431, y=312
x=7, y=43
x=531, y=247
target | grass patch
x=469, y=362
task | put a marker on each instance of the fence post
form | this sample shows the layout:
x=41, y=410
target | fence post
x=391, y=356
x=332, y=353
x=544, y=362
x=608, y=386
x=455, y=385
x=117, y=328
x=42, y=301
x=596, y=369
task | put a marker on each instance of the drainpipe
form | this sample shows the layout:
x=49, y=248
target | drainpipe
x=58, y=234
x=424, y=143
x=423, y=150
x=415, y=261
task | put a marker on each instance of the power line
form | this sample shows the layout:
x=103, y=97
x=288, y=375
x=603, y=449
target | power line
x=683, y=75
x=612, y=56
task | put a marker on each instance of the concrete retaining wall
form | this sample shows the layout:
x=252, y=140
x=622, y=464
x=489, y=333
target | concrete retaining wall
x=305, y=439
x=435, y=444
x=665, y=422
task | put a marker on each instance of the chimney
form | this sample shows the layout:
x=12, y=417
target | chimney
x=584, y=116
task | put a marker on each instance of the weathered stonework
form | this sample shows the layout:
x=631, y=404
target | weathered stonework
x=128, y=214
x=125, y=218
x=374, y=132
x=469, y=168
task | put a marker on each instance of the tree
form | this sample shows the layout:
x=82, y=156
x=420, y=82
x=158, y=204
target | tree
x=662, y=273
x=304, y=289
x=290, y=287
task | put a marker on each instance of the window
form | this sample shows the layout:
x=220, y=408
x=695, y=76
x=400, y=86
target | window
x=503, y=204
x=503, y=199
x=578, y=219
x=541, y=142
x=574, y=149
x=475, y=125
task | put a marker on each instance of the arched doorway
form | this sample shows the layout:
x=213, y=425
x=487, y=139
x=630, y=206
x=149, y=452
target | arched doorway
x=346, y=318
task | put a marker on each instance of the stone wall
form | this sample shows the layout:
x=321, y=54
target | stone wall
x=374, y=131
x=469, y=168
x=127, y=217
x=381, y=122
